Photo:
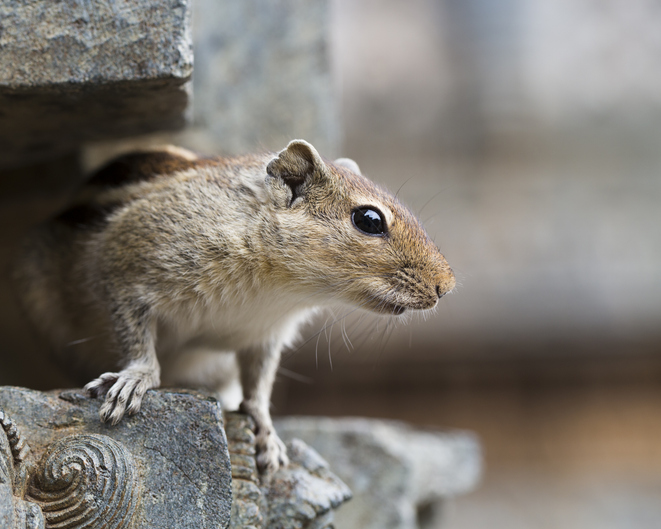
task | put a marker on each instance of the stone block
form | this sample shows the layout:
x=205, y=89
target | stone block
x=304, y=495
x=399, y=475
x=175, y=464
x=71, y=72
x=262, y=77
x=167, y=466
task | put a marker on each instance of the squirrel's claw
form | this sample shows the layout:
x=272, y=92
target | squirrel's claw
x=271, y=454
x=124, y=392
x=101, y=385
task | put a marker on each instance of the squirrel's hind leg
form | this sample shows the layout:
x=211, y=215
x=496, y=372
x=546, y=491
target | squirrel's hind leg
x=258, y=366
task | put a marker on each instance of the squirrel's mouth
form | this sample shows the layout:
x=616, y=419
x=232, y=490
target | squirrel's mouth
x=397, y=310
x=391, y=309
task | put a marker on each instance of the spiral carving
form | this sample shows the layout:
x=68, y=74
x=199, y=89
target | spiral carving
x=86, y=481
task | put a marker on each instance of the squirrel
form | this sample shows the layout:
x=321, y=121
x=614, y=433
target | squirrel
x=166, y=258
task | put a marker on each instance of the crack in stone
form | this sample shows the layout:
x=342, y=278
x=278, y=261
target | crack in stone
x=195, y=485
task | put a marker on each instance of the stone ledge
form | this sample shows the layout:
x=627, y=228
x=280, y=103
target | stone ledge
x=172, y=465
x=178, y=464
x=397, y=473
x=175, y=445
x=45, y=43
x=74, y=72
x=304, y=495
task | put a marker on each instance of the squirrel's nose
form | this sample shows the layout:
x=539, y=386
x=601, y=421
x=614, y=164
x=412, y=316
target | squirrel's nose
x=446, y=282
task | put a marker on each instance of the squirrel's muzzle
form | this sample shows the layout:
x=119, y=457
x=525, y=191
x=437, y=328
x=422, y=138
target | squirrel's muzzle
x=445, y=280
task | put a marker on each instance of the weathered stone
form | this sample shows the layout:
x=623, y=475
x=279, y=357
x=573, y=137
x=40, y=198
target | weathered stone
x=262, y=77
x=77, y=71
x=87, y=476
x=173, y=457
x=15, y=512
x=395, y=472
x=18, y=514
x=303, y=495
x=167, y=466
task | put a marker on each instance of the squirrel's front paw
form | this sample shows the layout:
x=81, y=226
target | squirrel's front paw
x=124, y=392
x=271, y=453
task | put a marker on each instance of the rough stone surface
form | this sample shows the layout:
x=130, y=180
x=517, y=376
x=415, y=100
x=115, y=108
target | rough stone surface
x=175, y=443
x=15, y=512
x=262, y=77
x=303, y=495
x=166, y=467
x=248, y=500
x=18, y=514
x=397, y=474
x=77, y=71
x=45, y=42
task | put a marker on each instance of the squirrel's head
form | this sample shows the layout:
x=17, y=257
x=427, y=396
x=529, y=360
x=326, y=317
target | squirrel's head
x=345, y=236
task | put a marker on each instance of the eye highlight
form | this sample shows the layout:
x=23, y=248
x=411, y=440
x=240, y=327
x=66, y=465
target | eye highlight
x=369, y=220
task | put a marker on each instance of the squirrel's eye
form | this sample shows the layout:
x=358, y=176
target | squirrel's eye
x=368, y=220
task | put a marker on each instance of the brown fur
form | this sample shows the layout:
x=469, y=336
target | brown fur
x=166, y=259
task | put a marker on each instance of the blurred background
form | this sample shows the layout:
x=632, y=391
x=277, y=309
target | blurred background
x=527, y=137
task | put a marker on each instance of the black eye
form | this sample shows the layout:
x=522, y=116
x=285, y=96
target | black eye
x=368, y=220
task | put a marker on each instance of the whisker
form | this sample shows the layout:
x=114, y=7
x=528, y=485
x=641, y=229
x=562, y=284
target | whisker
x=403, y=184
x=390, y=327
x=345, y=336
x=428, y=202
x=324, y=329
x=81, y=340
x=294, y=375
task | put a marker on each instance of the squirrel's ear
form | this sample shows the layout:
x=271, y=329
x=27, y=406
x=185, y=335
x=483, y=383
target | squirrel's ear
x=348, y=163
x=296, y=163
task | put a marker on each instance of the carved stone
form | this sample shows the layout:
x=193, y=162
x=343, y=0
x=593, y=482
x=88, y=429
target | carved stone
x=15, y=513
x=303, y=495
x=166, y=467
x=86, y=480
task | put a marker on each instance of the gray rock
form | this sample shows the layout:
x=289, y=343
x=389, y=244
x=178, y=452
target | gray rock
x=48, y=43
x=15, y=512
x=77, y=71
x=167, y=466
x=397, y=474
x=248, y=501
x=303, y=495
x=72, y=73
x=262, y=77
